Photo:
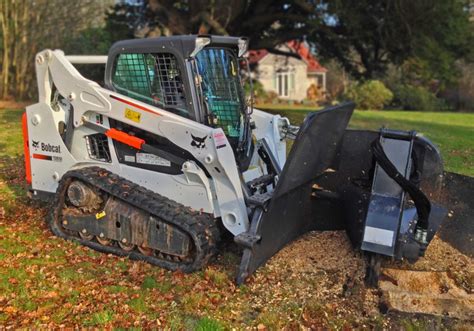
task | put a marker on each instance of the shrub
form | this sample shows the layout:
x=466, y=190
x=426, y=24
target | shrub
x=259, y=93
x=410, y=97
x=371, y=94
x=336, y=80
x=271, y=98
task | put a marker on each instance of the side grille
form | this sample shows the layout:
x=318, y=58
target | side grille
x=98, y=147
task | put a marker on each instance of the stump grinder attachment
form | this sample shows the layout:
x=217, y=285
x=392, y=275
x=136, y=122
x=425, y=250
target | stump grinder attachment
x=336, y=179
x=168, y=153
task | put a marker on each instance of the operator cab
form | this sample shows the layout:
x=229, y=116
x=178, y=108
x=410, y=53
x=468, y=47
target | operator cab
x=198, y=77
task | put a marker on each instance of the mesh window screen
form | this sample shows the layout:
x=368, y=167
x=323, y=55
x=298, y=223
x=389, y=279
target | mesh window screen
x=151, y=78
x=222, y=88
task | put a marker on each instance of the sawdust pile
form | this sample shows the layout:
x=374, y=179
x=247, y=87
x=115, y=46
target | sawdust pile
x=321, y=268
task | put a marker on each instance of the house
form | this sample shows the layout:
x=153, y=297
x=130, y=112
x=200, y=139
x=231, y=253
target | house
x=287, y=76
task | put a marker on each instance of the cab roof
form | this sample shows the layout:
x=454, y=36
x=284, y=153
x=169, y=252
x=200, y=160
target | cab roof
x=182, y=44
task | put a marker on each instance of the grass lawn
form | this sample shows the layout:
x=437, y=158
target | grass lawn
x=46, y=282
x=453, y=133
x=11, y=146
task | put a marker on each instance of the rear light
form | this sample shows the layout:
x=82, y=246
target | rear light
x=26, y=148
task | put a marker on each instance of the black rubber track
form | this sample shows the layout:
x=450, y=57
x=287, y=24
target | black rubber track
x=201, y=227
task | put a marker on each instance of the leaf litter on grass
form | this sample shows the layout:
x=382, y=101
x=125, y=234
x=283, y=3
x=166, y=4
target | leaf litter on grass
x=316, y=282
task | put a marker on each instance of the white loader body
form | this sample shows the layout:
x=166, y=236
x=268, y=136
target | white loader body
x=216, y=189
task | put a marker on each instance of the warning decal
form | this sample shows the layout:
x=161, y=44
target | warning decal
x=132, y=115
x=145, y=158
x=220, y=139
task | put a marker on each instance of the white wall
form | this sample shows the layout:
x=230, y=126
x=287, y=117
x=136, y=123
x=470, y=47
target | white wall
x=266, y=73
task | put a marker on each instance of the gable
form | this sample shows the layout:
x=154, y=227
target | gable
x=281, y=61
x=307, y=59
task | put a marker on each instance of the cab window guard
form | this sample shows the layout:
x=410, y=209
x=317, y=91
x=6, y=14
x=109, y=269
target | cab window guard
x=153, y=78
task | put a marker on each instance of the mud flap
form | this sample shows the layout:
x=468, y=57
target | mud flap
x=289, y=213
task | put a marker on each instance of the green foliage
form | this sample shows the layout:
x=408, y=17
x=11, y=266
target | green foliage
x=99, y=318
x=411, y=97
x=448, y=38
x=11, y=137
x=370, y=95
x=207, y=324
x=259, y=93
x=149, y=283
x=138, y=304
x=119, y=22
x=464, y=93
x=218, y=277
x=366, y=36
x=336, y=79
x=97, y=41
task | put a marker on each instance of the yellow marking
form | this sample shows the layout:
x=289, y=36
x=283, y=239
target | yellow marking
x=233, y=69
x=132, y=115
x=100, y=215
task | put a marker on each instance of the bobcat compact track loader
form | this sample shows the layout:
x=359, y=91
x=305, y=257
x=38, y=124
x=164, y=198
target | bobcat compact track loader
x=168, y=154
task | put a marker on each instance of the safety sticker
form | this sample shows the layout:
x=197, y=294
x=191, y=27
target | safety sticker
x=220, y=139
x=132, y=115
x=378, y=236
x=145, y=158
x=129, y=158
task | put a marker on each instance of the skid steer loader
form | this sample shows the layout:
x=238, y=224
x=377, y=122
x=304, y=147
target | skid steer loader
x=169, y=154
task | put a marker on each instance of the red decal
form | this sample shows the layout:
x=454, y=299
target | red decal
x=42, y=157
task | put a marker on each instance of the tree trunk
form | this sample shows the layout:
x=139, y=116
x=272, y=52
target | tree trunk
x=4, y=17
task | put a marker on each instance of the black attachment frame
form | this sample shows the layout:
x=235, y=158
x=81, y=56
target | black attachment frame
x=289, y=210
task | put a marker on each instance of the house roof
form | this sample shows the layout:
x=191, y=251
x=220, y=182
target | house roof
x=255, y=55
x=313, y=65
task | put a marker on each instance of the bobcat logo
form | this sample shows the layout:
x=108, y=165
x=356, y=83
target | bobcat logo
x=35, y=144
x=198, y=142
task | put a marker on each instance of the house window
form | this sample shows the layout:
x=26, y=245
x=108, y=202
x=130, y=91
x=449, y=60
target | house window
x=320, y=79
x=283, y=83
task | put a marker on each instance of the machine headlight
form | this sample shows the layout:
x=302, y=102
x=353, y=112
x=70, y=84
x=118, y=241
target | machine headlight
x=243, y=46
x=201, y=42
